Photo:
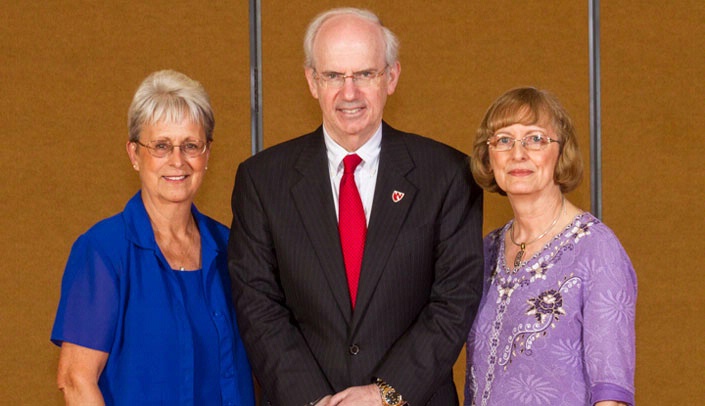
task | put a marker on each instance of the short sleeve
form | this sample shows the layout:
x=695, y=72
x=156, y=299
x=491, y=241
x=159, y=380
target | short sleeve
x=608, y=316
x=88, y=308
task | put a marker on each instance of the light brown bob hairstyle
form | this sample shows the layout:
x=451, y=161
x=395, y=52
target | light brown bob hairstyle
x=528, y=106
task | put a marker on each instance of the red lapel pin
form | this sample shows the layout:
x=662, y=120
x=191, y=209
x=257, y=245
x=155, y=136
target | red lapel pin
x=397, y=196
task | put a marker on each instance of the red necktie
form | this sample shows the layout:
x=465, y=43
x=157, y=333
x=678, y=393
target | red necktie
x=352, y=225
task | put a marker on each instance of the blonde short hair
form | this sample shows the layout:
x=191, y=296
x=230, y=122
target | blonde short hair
x=170, y=96
x=528, y=106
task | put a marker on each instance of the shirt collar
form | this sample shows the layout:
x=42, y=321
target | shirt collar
x=139, y=231
x=139, y=227
x=369, y=152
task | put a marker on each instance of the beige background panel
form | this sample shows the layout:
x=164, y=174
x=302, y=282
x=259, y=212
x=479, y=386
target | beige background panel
x=68, y=73
x=69, y=70
x=653, y=86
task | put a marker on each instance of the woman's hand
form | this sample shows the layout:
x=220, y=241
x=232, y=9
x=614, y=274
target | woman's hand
x=79, y=370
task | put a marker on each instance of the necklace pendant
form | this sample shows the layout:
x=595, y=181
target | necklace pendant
x=518, y=258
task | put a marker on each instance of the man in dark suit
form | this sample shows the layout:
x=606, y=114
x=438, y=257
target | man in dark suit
x=355, y=250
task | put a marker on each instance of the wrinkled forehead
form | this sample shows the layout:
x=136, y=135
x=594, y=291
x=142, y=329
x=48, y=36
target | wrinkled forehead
x=347, y=42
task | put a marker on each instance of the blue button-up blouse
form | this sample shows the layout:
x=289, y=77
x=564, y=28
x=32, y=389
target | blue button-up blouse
x=119, y=295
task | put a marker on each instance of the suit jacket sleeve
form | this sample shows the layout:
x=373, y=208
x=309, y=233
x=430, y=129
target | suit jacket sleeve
x=280, y=357
x=420, y=361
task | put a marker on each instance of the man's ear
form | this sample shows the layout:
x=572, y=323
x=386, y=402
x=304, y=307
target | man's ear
x=394, y=72
x=312, y=85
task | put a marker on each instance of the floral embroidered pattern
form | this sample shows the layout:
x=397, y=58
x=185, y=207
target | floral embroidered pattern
x=505, y=289
x=546, y=308
x=580, y=229
x=549, y=303
x=543, y=333
x=539, y=269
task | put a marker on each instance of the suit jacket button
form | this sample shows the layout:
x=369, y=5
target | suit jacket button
x=354, y=349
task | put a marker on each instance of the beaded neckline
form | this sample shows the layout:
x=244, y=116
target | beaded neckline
x=539, y=253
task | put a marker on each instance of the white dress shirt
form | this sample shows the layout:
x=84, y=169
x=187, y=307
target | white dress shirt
x=365, y=173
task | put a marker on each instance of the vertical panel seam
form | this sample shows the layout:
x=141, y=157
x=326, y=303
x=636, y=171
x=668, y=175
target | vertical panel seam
x=256, y=138
x=595, y=106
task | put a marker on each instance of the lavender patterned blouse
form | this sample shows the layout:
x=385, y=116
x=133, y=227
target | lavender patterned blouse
x=559, y=330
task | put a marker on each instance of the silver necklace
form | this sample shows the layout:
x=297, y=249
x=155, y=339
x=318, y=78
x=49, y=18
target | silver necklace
x=181, y=255
x=522, y=246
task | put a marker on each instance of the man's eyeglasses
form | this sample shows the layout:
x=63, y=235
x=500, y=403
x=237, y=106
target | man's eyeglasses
x=533, y=142
x=162, y=148
x=363, y=78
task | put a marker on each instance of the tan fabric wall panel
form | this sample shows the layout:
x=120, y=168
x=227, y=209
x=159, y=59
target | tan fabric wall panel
x=653, y=87
x=68, y=71
x=457, y=57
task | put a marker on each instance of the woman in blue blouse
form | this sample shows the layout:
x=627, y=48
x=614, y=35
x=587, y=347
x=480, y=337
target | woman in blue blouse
x=145, y=315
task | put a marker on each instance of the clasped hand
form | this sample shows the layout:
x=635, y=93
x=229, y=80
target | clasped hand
x=367, y=395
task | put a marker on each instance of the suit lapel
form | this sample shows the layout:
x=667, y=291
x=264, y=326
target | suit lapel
x=313, y=198
x=387, y=215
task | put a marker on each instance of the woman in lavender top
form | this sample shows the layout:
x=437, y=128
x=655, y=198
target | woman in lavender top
x=556, y=322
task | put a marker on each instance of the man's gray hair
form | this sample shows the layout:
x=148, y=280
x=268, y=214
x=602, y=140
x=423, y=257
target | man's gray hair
x=391, y=41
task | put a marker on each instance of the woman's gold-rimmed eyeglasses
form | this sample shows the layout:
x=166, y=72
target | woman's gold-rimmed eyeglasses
x=161, y=148
x=336, y=80
x=533, y=142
